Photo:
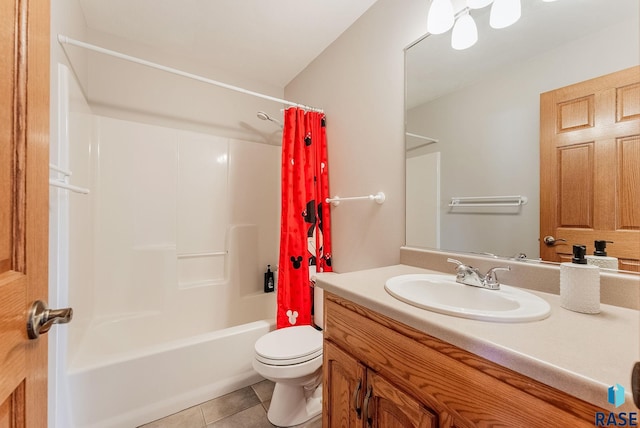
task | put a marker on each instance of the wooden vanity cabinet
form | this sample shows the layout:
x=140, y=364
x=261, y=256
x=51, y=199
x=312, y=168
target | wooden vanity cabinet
x=381, y=373
x=346, y=377
x=361, y=398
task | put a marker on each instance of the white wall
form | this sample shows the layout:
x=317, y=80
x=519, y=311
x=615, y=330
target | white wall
x=159, y=194
x=79, y=137
x=155, y=192
x=125, y=90
x=423, y=200
x=359, y=82
x=120, y=91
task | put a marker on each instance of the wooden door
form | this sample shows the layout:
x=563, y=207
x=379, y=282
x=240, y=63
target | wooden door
x=343, y=389
x=24, y=196
x=590, y=167
x=388, y=407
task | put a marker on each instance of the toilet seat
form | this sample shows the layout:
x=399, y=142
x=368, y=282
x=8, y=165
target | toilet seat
x=289, y=346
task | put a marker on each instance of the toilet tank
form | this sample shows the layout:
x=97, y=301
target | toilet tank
x=318, y=307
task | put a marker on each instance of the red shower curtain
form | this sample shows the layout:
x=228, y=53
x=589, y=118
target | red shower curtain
x=305, y=226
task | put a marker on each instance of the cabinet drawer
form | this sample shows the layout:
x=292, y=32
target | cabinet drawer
x=471, y=390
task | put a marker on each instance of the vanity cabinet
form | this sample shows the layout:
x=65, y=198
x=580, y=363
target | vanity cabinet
x=345, y=376
x=381, y=373
x=362, y=398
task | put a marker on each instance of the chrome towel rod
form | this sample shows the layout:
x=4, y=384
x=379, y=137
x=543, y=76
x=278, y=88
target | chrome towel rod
x=378, y=197
x=422, y=137
x=488, y=201
x=198, y=255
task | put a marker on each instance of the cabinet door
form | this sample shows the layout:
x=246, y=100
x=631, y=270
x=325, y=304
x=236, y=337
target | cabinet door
x=344, y=383
x=448, y=421
x=385, y=406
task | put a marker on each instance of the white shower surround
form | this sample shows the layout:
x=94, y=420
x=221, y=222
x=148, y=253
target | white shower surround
x=153, y=332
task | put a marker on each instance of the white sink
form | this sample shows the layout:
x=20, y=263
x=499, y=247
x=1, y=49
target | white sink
x=441, y=293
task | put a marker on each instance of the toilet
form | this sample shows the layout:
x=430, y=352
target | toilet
x=292, y=358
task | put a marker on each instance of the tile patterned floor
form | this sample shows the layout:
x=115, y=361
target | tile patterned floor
x=245, y=408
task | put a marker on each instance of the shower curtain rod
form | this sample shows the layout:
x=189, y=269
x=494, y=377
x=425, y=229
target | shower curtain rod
x=67, y=40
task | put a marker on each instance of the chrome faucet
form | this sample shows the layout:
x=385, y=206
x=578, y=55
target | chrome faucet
x=468, y=275
x=519, y=256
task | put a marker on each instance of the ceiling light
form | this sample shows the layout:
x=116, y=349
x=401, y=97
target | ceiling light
x=465, y=32
x=504, y=13
x=479, y=4
x=440, y=18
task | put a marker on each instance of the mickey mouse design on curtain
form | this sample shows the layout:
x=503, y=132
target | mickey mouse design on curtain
x=305, y=226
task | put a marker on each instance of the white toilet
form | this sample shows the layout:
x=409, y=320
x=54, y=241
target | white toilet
x=292, y=358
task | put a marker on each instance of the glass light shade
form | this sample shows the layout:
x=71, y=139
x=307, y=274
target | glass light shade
x=504, y=13
x=440, y=18
x=479, y=4
x=465, y=33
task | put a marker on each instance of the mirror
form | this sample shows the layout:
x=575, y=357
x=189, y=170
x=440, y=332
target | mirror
x=472, y=118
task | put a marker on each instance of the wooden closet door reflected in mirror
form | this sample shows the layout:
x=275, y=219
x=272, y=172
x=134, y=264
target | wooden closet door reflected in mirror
x=589, y=175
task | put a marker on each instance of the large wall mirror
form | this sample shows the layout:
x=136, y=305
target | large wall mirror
x=473, y=119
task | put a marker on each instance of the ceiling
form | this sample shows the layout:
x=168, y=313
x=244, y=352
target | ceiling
x=434, y=68
x=269, y=41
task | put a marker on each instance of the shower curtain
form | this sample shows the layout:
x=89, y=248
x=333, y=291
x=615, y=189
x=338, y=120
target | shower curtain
x=305, y=226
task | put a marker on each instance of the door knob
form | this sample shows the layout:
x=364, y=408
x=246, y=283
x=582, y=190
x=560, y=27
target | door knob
x=41, y=318
x=550, y=240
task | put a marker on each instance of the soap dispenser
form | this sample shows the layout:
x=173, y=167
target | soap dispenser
x=580, y=283
x=269, y=280
x=600, y=257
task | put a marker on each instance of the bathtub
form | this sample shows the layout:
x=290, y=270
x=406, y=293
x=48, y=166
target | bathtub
x=111, y=386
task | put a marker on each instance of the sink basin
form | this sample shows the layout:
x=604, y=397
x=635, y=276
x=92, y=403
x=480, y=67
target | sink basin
x=441, y=293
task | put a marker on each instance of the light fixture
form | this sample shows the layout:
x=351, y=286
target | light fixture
x=479, y=4
x=504, y=13
x=465, y=32
x=440, y=18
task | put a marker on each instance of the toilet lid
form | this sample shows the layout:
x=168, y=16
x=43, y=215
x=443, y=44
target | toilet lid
x=291, y=345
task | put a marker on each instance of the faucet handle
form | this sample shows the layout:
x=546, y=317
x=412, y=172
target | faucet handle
x=457, y=262
x=461, y=268
x=490, y=279
x=466, y=274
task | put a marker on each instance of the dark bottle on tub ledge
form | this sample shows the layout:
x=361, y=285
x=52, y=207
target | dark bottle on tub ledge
x=269, y=284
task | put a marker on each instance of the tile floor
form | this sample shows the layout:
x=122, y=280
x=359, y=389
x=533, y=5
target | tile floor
x=245, y=408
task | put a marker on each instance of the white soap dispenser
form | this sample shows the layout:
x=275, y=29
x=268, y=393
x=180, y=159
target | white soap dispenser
x=600, y=257
x=580, y=284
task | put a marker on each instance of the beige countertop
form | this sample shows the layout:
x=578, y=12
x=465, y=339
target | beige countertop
x=580, y=354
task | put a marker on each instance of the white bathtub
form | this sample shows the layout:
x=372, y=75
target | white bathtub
x=111, y=387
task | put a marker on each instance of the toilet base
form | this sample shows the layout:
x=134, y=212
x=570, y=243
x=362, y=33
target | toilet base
x=293, y=405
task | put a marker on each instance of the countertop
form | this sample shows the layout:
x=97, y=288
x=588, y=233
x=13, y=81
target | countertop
x=582, y=355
